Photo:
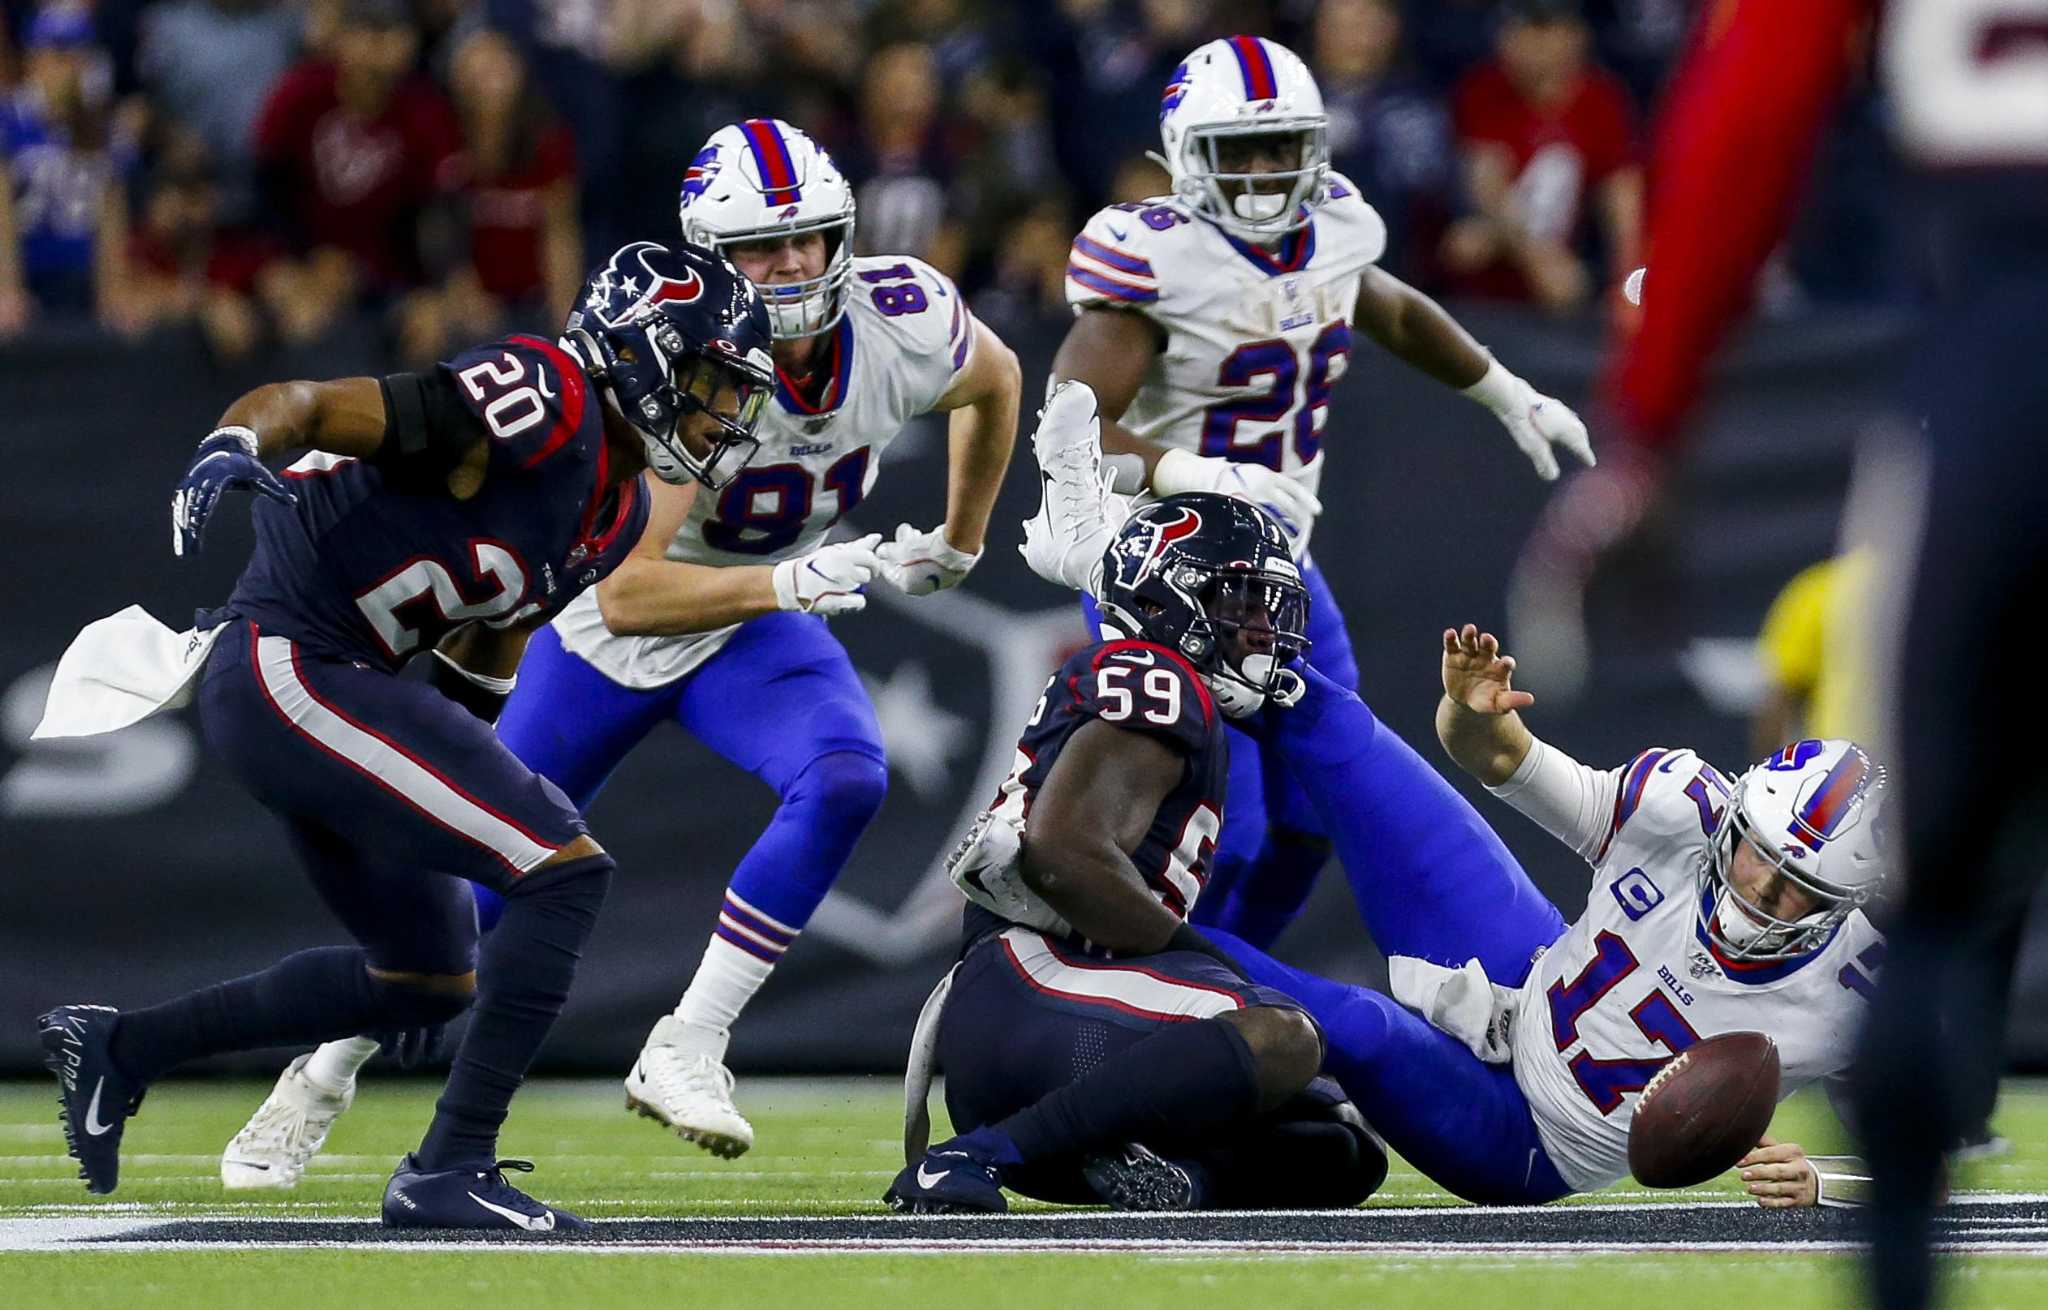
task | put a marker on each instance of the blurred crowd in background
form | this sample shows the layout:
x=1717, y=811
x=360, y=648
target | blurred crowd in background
x=255, y=170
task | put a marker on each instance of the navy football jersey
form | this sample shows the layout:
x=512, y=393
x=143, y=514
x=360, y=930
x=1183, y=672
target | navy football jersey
x=1139, y=687
x=362, y=569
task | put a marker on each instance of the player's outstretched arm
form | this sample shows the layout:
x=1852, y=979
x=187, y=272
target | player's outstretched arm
x=1415, y=329
x=342, y=418
x=1477, y=719
x=980, y=434
x=1111, y=350
x=1091, y=812
x=651, y=595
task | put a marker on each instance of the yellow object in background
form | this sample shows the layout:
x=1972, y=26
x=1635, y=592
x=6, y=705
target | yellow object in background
x=1814, y=649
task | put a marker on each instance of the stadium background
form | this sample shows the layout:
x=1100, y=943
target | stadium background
x=182, y=266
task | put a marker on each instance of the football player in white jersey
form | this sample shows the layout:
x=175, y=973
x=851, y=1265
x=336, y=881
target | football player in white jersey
x=1508, y=1061
x=1211, y=325
x=862, y=345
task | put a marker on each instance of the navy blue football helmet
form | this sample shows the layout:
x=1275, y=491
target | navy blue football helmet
x=1211, y=577
x=668, y=333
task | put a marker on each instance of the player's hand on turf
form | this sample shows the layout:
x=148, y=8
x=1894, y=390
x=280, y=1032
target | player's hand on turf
x=919, y=563
x=1279, y=495
x=829, y=579
x=1476, y=674
x=1779, y=1175
x=226, y=461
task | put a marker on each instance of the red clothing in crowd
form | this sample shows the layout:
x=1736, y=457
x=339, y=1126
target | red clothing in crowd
x=234, y=258
x=359, y=184
x=1558, y=154
x=508, y=218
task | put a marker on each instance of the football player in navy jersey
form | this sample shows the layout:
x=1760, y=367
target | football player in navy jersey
x=449, y=511
x=1097, y=1046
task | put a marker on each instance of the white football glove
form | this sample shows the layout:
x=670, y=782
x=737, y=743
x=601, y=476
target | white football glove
x=1535, y=421
x=920, y=563
x=986, y=867
x=1287, y=500
x=829, y=579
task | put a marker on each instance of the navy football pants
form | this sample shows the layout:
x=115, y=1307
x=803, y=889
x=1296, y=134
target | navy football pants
x=395, y=797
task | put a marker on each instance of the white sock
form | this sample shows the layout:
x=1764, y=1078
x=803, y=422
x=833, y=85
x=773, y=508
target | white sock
x=334, y=1066
x=725, y=981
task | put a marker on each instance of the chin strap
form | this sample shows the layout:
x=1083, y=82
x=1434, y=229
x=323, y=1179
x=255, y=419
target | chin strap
x=1241, y=697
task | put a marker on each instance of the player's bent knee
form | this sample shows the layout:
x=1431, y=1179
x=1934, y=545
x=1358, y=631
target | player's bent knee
x=423, y=1000
x=1285, y=1044
x=846, y=785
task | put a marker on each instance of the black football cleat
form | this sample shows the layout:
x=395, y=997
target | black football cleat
x=94, y=1098
x=1136, y=1179
x=952, y=1178
x=471, y=1196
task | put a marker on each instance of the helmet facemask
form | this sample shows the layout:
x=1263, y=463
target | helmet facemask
x=1740, y=929
x=1258, y=620
x=808, y=306
x=1261, y=205
x=730, y=390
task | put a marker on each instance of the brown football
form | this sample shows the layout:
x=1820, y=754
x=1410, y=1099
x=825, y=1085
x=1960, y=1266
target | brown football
x=1704, y=1110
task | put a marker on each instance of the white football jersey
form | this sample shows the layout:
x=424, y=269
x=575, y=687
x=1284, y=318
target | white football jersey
x=1255, y=338
x=905, y=337
x=1634, y=981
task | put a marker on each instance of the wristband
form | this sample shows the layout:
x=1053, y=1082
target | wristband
x=1180, y=470
x=479, y=693
x=245, y=437
x=1839, y=1180
x=1496, y=388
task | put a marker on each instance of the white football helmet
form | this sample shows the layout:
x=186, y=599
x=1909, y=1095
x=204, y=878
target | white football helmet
x=762, y=178
x=1814, y=813
x=1245, y=86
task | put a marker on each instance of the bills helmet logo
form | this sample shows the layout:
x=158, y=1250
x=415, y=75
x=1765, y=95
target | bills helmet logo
x=703, y=170
x=1176, y=91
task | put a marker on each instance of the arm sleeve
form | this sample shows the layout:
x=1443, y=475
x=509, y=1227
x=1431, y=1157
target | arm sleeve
x=1569, y=800
x=427, y=429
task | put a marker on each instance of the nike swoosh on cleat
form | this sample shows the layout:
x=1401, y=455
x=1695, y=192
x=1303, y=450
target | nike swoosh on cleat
x=531, y=1223
x=93, y=1126
x=932, y=1180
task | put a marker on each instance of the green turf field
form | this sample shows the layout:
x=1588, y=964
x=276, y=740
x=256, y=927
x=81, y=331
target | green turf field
x=826, y=1148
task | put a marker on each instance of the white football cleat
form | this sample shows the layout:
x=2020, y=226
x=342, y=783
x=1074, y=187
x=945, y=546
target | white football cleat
x=1078, y=515
x=284, y=1134
x=680, y=1081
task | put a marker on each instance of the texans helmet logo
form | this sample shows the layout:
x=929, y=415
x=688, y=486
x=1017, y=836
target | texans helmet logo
x=1146, y=551
x=668, y=288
